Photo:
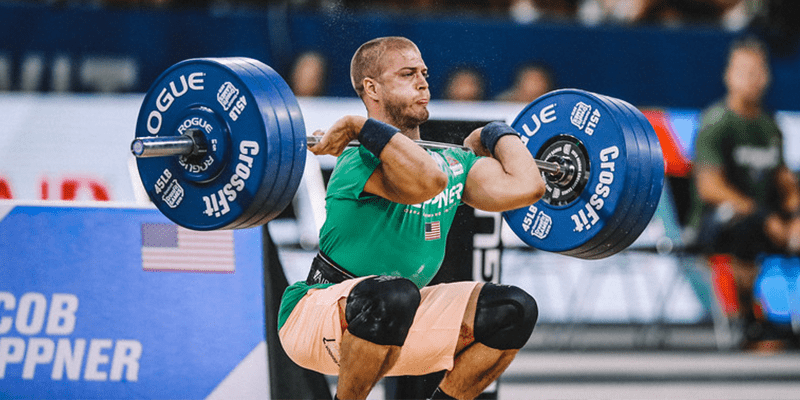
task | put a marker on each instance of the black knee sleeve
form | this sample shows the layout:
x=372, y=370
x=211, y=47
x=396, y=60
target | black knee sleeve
x=381, y=309
x=505, y=317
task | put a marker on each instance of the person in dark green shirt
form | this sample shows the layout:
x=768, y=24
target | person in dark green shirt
x=746, y=201
x=365, y=311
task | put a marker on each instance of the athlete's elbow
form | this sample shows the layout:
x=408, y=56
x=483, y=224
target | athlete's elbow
x=528, y=186
x=520, y=195
x=532, y=190
x=537, y=189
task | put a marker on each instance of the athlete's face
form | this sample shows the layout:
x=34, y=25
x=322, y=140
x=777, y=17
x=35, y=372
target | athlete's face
x=403, y=88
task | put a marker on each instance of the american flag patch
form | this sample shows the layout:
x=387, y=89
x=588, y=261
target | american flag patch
x=168, y=247
x=433, y=230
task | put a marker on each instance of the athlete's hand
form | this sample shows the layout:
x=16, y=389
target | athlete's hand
x=338, y=136
x=473, y=141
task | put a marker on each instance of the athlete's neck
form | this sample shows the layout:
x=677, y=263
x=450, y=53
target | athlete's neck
x=412, y=134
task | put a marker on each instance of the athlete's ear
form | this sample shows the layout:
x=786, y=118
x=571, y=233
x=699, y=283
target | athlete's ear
x=371, y=89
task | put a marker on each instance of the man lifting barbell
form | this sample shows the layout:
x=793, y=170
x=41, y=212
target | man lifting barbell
x=384, y=240
x=221, y=144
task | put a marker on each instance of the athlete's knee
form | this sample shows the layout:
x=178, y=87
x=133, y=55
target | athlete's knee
x=381, y=309
x=504, y=317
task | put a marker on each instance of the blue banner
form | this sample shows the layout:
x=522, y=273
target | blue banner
x=91, y=306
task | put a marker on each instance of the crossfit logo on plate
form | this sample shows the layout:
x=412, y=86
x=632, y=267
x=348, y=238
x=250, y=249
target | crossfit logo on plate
x=173, y=196
x=173, y=192
x=582, y=118
x=580, y=114
x=587, y=217
x=227, y=98
x=217, y=203
x=538, y=224
x=226, y=95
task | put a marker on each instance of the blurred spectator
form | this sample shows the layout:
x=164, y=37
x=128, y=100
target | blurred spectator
x=526, y=11
x=738, y=14
x=530, y=82
x=731, y=14
x=715, y=12
x=426, y=6
x=465, y=84
x=309, y=75
x=747, y=202
x=624, y=11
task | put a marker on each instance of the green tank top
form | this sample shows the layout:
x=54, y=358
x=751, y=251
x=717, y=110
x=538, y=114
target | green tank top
x=369, y=235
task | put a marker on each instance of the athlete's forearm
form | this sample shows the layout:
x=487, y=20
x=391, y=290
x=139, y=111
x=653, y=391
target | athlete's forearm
x=508, y=180
x=517, y=161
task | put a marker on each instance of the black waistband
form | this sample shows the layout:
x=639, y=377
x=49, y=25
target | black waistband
x=324, y=270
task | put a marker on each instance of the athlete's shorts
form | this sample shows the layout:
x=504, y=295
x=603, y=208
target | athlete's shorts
x=313, y=331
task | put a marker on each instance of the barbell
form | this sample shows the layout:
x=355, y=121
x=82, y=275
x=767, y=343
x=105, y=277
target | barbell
x=192, y=144
x=221, y=144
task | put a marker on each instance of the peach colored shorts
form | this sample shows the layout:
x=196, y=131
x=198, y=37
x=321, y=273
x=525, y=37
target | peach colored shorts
x=312, y=333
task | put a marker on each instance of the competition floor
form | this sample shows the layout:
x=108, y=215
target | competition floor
x=648, y=375
x=651, y=375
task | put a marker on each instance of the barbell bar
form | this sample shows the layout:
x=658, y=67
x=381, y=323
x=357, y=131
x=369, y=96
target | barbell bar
x=185, y=145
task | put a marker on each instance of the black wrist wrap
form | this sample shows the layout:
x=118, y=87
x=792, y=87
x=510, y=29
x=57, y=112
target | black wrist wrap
x=375, y=135
x=493, y=131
